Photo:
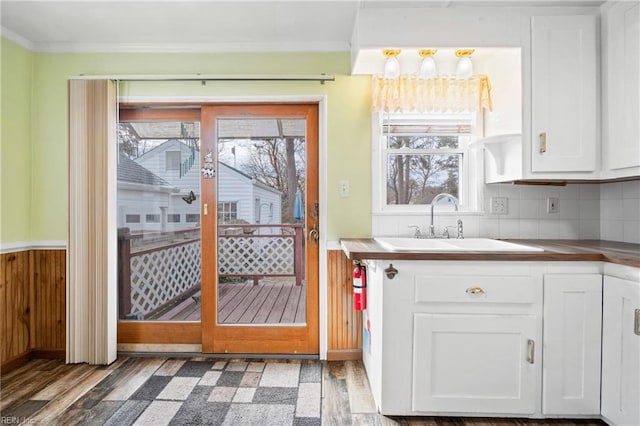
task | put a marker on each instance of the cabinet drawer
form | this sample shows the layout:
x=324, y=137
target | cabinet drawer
x=474, y=289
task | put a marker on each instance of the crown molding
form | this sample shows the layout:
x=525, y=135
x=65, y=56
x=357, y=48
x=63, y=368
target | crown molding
x=272, y=47
x=17, y=39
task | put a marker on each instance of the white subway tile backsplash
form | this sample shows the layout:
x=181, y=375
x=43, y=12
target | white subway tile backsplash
x=529, y=228
x=590, y=229
x=529, y=209
x=509, y=228
x=589, y=209
x=608, y=211
x=611, y=191
x=631, y=232
x=589, y=191
x=611, y=209
x=631, y=189
x=612, y=230
x=631, y=209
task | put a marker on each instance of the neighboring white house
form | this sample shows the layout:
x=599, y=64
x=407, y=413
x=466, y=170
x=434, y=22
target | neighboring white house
x=143, y=197
x=239, y=196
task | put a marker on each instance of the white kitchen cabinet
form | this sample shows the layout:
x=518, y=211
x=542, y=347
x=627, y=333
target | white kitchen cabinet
x=564, y=91
x=454, y=338
x=474, y=363
x=621, y=352
x=572, y=344
x=621, y=88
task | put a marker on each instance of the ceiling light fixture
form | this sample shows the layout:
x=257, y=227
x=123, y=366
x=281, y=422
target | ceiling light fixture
x=391, y=66
x=428, y=65
x=464, y=69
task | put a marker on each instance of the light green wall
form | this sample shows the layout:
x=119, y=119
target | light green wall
x=348, y=120
x=15, y=143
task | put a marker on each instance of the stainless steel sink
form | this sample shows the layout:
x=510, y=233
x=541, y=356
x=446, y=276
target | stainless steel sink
x=404, y=244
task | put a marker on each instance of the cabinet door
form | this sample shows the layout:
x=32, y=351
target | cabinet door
x=474, y=363
x=572, y=344
x=564, y=86
x=621, y=352
x=622, y=86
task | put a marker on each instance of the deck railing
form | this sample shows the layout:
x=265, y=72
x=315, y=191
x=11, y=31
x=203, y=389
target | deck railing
x=166, y=267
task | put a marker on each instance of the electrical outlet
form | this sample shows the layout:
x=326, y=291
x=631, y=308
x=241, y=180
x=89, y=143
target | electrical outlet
x=344, y=188
x=499, y=205
x=553, y=205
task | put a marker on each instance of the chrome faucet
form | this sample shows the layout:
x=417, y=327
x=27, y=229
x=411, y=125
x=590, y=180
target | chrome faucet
x=454, y=200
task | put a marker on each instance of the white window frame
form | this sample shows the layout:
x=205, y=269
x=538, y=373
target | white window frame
x=471, y=171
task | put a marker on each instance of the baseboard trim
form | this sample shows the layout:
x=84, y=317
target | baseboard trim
x=15, y=362
x=48, y=354
x=344, y=354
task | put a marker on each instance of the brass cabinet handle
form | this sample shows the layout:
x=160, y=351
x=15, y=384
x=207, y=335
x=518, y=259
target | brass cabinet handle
x=543, y=142
x=531, y=346
x=475, y=290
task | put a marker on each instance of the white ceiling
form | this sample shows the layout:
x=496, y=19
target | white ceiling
x=188, y=26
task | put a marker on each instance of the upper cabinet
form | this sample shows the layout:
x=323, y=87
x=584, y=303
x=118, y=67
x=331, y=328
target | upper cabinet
x=564, y=116
x=621, y=88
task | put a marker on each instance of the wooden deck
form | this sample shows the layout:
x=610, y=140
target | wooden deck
x=272, y=301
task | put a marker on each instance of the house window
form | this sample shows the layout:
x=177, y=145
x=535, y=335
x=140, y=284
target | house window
x=421, y=156
x=152, y=218
x=192, y=217
x=227, y=211
x=132, y=218
x=172, y=160
x=173, y=218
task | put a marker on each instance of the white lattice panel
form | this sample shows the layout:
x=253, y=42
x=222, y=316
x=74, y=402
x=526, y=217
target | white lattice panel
x=160, y=276
x=256, y=256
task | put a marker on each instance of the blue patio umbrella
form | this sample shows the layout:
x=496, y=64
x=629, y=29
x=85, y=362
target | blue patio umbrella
x=298, y=208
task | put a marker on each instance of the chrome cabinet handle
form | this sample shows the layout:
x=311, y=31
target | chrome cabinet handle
x=543, y=142
x=636, y=322
x=531, y=346
x=475, y=290
x=314, y=234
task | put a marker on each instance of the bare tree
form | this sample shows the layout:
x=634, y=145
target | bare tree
x=279, y=163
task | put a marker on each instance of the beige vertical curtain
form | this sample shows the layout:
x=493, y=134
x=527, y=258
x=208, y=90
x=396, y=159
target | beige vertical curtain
x=440, y=94
x=91, y=262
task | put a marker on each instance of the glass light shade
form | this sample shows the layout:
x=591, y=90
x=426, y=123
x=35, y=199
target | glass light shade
x=464, y=69
x=392, y=67
x=427, y=68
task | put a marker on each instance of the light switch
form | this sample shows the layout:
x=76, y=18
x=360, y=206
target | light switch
x=344, y=188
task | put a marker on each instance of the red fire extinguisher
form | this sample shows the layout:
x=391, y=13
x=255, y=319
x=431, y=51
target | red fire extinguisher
x=359, y=286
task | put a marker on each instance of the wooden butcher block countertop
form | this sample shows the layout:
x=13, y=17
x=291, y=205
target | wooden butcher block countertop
x=554, y=250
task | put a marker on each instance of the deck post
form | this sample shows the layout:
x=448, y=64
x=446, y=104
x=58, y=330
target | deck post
x=298, y=254
x=124, y=272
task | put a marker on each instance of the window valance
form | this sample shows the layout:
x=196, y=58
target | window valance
x=439, y=94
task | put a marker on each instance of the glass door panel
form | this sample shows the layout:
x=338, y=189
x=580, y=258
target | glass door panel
x=260, y=220
x=158, y=214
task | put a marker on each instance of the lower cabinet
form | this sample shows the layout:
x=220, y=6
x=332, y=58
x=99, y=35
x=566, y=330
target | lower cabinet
x=621, y=352
x=572, y=344
x=513, y=339
x=474, y=363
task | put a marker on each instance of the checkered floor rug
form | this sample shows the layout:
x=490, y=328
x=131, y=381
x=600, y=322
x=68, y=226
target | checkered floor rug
x=214, y=392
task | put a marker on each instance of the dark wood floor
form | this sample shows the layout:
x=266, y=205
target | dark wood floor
x=50, y=392
x=272, y=301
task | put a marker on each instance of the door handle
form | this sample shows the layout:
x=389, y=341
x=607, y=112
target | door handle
x=531, y=346
x=314, y=233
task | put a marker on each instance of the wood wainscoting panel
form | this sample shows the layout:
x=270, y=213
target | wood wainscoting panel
x=344, y=328
x=49, y=292
x=14, y=306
